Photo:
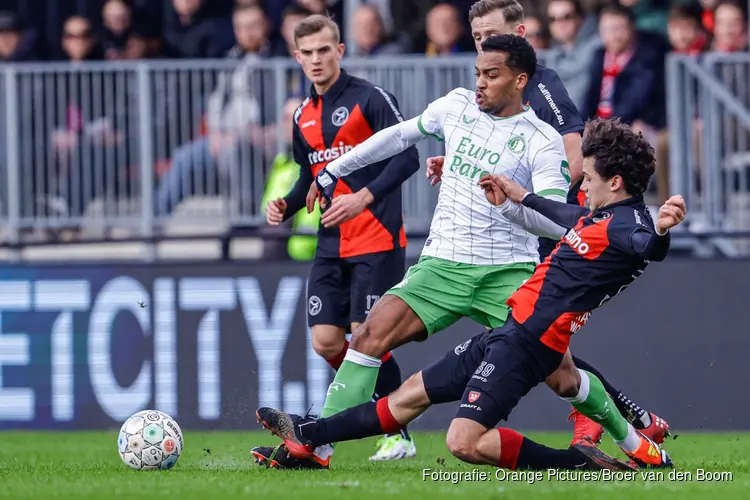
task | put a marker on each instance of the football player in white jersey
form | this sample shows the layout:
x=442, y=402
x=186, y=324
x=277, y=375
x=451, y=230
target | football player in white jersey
x=476, y=255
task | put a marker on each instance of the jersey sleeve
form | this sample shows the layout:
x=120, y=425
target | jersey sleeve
x=633, y=234
x=550, y=172
x=382, y=112
x=431, y=120
x=552, y=104
x=548, y=182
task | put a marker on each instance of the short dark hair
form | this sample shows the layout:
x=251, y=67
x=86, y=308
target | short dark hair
x=617, y=150
x=512, y=10
x=521, y=55
x=615, y=9
x=687, y=12
x=296, y=10
x=315, y=24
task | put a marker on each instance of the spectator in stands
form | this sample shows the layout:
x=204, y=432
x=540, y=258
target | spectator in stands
x=121, y=39
x=16, y=43
x=191, y=33
x=626, y=72
x=730, y=26
x=685, y=30
x=281, y=178
x=290, y=19
x=226, y=156
x=410, y=23
x=536, y=32
x=627, y=81
x=369, y=34
x=574, y=42
x=445, y=31
x=79, y=42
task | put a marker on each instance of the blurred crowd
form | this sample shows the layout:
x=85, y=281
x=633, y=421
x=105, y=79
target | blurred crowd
x=609, y=54
x=75, y=30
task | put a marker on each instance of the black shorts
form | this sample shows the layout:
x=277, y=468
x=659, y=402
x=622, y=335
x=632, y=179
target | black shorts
x=490, y=373
x=342, y=291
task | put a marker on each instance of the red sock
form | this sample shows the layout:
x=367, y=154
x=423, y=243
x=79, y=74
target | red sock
x=387, y=422
x=336, y=361
x=510, y=446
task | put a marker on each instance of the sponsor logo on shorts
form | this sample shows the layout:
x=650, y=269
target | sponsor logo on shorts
x=471, y=407
x=462, y=348
x=473, y=396
x=314, y=305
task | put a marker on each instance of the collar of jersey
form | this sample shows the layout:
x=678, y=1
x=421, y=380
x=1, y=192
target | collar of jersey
x=632, y=201
x=500, y=118
x=335, y=90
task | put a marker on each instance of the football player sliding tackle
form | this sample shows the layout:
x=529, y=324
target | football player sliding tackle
x=478, y=254
x=606, y=248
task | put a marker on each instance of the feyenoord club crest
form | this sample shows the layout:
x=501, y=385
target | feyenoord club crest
x=473, y=396
x=517, y=144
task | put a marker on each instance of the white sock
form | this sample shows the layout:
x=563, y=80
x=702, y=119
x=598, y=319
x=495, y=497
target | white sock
x=362, y=359
x=583, y=390
x=646, y=420
x=631, y=442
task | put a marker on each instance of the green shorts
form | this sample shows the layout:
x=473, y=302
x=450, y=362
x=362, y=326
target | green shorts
x=441, y=292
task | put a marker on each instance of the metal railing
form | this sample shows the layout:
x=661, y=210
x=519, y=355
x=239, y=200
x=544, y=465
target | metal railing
x=709, y=126
x=146, y=149
x=141, y=146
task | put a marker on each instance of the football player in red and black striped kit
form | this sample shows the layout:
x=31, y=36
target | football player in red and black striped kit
x=361, y=240
x=607, y=246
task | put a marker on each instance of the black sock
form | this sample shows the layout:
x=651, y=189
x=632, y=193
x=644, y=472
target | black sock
x=358, y=422
x=535, y=456
x=389, y=379
x=627, y=408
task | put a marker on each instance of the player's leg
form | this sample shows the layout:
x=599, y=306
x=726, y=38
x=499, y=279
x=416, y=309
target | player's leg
x=372, y=275
x=428, y=299
x=587, y=394
x=648, y=423
x=443, y=381
x=513, y=364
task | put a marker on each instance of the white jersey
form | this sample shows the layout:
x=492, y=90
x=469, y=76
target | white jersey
x=466, y=227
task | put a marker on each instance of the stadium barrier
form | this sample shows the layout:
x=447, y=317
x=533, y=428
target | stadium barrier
x=83, y=347
x=97, y=148
x=709, y=125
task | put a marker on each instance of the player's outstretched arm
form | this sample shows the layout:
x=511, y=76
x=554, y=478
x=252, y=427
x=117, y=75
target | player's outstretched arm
x=380, y=146
x=644, y=242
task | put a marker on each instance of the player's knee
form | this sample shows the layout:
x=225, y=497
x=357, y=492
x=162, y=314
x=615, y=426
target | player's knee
x=564, y=382
x=327, y=346
x=462, y=446
x=369, y=340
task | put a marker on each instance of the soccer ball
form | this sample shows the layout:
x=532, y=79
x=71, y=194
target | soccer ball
x=150, y=440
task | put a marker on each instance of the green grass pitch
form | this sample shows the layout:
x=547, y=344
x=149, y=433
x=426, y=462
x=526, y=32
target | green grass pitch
x=85, y=465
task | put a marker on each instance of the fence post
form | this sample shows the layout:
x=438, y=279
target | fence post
x=13, y=164
x=678, y=124
x=146, y=154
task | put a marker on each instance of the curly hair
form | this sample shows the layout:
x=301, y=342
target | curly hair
x=521, y=55
x=617, y=150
